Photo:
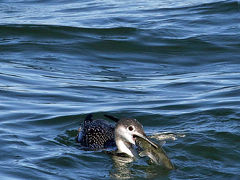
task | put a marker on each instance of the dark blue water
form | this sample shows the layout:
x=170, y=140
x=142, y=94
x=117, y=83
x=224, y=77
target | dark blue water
x=173, y=65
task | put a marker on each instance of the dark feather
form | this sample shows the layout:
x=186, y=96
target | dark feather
x=112, y=117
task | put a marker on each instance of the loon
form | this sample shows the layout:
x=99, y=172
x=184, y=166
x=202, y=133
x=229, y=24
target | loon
x=99, y=134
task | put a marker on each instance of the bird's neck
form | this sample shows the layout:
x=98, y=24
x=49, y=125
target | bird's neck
x=124, y=147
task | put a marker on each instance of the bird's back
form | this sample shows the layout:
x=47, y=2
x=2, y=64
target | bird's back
x=96, y=134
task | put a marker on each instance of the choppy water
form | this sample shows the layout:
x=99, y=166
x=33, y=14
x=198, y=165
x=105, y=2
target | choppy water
x=173, y=65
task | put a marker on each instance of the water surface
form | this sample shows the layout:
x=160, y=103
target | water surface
x=172, y=65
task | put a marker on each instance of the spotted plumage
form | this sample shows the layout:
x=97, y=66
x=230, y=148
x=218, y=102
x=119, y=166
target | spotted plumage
x=96, y=134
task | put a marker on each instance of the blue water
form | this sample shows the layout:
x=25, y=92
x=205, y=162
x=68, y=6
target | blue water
x=173, y=65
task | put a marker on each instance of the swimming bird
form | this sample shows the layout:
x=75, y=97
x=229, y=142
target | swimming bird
x=99, y=134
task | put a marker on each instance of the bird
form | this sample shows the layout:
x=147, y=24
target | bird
x=100, y=134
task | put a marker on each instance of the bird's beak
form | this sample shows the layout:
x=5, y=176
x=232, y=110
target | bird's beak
x=146, y=139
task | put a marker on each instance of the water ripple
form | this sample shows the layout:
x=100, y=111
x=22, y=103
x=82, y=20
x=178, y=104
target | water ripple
x=173, y=65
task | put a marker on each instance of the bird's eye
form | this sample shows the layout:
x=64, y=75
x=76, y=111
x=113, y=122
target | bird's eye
x=130, y=128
